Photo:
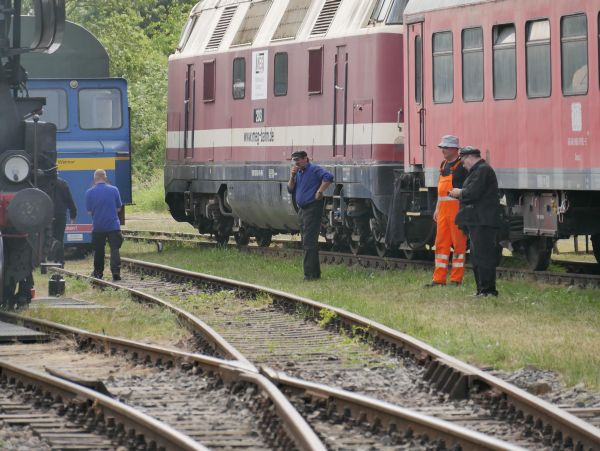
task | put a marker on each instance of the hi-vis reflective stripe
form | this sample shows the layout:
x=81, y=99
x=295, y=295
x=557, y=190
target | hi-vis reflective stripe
x=442, y=256
x=459, y=257
x=458, y=265
x=447, y=198
x=88, y=164
x=441, y=265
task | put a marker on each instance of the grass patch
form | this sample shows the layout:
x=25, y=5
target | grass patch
x=125, y=318
x=149, y=194
x=553, y=328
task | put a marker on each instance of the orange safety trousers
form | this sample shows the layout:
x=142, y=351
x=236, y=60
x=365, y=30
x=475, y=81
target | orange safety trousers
x=448, y=236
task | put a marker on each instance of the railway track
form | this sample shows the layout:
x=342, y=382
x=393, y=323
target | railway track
x=400, y=428
x=60, y=415
x=212, y=404
x=274, y=329
x=580, y=274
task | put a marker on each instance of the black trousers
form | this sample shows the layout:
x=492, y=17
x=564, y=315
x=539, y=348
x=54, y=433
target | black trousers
x=484, y=257
x=58, y=233
x=115, y=240
x=310, y=225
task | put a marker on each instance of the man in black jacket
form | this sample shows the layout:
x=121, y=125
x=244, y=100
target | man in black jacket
x=63, y=200
x=479, y=214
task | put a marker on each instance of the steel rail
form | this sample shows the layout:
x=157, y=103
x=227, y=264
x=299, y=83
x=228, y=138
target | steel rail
x=153, y=430
x=191, y=322
x=370, y=261
x=267, y=380
x=448, y=373
x=386, y=414
x=230, y=371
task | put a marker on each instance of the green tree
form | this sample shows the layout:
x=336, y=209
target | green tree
x=138, y=35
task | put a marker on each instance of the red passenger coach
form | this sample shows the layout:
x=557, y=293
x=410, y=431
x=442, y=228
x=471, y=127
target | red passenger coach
x=520, y=80
x=252, y=81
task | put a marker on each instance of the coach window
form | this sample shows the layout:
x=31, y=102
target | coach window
x=573, y=49
x=539, y=74
x=315, y=71
x=418, y=69
x=505, y=62
x=208, y=91
x=443, y=68
x=55, y=110
x=280, y=82
x=100, y=109
x=239, y=78
x=472, y=61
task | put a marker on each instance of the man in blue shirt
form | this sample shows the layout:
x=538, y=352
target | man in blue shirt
x=103, y=203
x=307, y=183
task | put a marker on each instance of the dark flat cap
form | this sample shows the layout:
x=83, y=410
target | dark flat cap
x=299, y=154
x=469, y=150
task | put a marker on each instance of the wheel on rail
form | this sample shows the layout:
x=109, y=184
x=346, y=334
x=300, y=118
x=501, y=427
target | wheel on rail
x=359, y=247
x=596, y=246
x=242, y=238
x=412, y=254
x=222, y=238
x=537, y=252
x=378, y=233
x=264, y=238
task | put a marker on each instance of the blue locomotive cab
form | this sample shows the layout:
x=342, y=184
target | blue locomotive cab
x=92, y=121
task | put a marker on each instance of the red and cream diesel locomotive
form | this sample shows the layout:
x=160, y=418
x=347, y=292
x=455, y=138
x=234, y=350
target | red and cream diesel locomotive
x=252, y=81
x=367, y=88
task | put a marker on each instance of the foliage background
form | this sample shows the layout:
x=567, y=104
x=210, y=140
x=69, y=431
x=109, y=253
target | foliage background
x=139, y=35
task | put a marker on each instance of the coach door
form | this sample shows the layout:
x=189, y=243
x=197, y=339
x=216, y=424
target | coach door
x=189, y=112
x=416, y=117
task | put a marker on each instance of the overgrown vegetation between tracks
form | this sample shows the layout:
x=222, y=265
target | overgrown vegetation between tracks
x=553, y=328
x=122, y=317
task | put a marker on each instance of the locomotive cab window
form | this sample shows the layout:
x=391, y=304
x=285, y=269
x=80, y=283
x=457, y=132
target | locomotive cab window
x=185, y=34
x=472, y=62
x=395, y=15
x=280, y=74
x=239, y=78
x=100, y=109
x=315, y=71
x=539, y=74
x=55, y=110
x=505, y=62
x=380, y=10
x=443, y=68
x=574, y=59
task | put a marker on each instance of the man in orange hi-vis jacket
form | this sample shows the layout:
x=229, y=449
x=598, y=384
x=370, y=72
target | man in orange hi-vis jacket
x=449, y=236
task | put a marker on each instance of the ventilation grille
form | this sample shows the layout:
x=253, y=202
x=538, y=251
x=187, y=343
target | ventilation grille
x=221, y=29
x=325, y=17
x=292, y=19
x=252, y=22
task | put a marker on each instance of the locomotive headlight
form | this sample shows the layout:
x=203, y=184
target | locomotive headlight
x=16, y=168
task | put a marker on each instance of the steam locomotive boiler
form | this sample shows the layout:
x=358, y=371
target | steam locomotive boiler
x=27, y=152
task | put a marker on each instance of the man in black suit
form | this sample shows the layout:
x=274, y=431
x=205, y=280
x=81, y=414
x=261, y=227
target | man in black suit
x=479, y=214
x=63, y=201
